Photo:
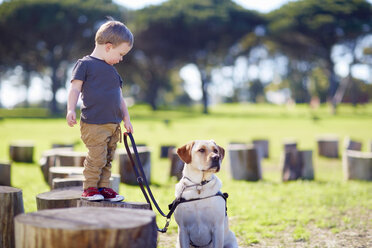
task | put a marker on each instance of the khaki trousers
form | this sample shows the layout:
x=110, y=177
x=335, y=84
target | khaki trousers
x=100, y=141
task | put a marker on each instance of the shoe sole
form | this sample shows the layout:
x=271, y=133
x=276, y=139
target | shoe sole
x=93, y=198
x=116, y=199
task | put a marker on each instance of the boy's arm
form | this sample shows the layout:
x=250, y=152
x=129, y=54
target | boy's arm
x=126, y=118
x=73, y=96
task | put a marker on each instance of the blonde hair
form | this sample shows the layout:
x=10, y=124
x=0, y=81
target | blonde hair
x=113, y=32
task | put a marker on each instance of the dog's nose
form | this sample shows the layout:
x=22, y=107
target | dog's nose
x=216, y=158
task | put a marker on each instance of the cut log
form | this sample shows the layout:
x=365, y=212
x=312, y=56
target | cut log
x=176, y=165
x=63, y=145
x=5, y=174
x=63, y=172
x=245, y=163
x=127, y=173
x=357, y=165
x=115, y=182
x=297, y=165
x=60, y=183
x=328, y=147
x=11, y=204
x=307, y=165
x=22, y=151
x=352, y=144
x=87, y=227
x=133, y=205
x=290, y=146
x=48, y=159
x=262, y=147
x=70, y=158
x=166, y=150
x=59, y=198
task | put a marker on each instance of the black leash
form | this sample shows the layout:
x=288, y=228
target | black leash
x=141, y=179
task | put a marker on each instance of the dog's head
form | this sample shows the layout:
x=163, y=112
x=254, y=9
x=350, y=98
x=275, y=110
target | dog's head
x=204, y=155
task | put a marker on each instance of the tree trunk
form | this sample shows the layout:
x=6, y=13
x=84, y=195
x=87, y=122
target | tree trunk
x=11, y=204
x=205, y=81
x=132, y=205
x=297, y=165
x=48, y=160
x=5, y=174
x=245, y=163
x=61, y=183
x=55, y=86
x=86, y=227
x=59, y=198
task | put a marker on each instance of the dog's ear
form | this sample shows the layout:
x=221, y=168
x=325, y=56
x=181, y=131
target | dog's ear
x=184, y=152
x=221, y=152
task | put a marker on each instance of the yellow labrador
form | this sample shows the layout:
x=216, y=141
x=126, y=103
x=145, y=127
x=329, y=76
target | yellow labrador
x=201, y=218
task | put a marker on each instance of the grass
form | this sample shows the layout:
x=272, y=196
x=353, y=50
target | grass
x=266, y=213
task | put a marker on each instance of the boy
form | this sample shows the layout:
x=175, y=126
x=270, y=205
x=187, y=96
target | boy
x=103, y=107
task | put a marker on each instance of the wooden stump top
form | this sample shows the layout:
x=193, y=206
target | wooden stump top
x=62, y=194
x=67, y=170
x=87, y=218
x=7, y=190
x=22, y=143
x=133, y=205
x=359, y=154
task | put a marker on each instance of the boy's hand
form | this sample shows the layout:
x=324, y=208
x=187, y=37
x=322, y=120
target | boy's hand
x=71, y=118
x=128, y=125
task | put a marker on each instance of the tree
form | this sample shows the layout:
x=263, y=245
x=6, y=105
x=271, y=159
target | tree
x=307, y=30
x=193, y=31
x=47, y=35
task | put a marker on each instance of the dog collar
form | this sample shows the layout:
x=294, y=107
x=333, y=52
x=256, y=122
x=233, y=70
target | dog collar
x=202, y=183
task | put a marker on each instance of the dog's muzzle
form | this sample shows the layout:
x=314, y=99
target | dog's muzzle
x=215, y=164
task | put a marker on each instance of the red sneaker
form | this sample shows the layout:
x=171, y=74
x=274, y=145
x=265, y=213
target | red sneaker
x=110, y=195
x=92, y=194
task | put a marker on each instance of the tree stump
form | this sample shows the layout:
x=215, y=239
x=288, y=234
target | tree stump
x=297, y=165
x=328, y=147
x=370, y=145
x=127, y=173
x=63, y=172
x=176, y=165
x=63, y=145
x=86, y=227
x=61, y=183
x=357, y=165
x=166, y=150
x=5, y=174
x=115, y=182
x=133, y=205
x=352, y=145
x=59, y=198
x=245, y=163
x=11, y=204
x=290, y=146
x=262, y=147
x=48, y=159
x=21, y=151
x=70, y=158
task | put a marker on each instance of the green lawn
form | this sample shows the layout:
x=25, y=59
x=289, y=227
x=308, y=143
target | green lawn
x=262, y=214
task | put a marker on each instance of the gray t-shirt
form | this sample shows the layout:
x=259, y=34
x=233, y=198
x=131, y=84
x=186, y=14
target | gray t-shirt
x=101, y=91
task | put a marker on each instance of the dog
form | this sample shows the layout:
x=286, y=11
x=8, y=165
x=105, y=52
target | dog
x=201, y=216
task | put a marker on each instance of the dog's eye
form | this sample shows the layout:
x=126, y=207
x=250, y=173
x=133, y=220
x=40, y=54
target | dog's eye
x=215, y=151
x=202, y=150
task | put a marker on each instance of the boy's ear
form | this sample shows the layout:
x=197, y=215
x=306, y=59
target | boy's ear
x=108, y=46
x=184, y=152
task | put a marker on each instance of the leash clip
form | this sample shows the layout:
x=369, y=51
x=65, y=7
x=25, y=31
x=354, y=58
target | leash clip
x=164, y=230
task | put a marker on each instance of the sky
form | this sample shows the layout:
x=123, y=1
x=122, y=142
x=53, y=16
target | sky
x=189, y=73
x=259, y=5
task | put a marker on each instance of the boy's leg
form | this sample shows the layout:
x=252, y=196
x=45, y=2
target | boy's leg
x=111, y=147
x=95, y=138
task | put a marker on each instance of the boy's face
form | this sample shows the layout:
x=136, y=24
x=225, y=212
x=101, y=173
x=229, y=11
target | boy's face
x=115, y=54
